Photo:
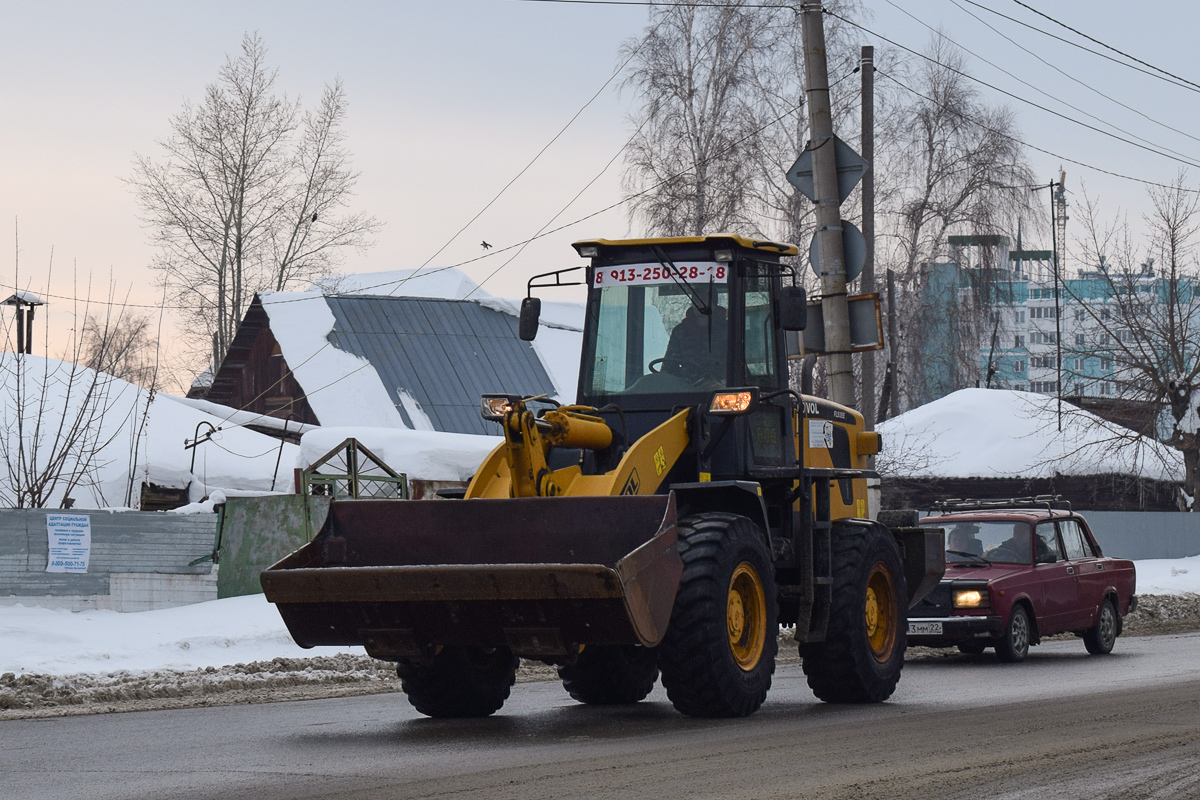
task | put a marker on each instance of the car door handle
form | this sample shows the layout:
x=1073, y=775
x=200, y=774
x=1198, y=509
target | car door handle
x=1070, y=570
x=1099, y=568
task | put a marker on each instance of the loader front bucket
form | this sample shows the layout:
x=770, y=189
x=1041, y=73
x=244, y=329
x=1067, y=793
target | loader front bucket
x=538, y=575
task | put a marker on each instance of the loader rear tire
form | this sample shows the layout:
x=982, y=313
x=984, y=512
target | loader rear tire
x=718, y=655
x=611, y=675
x=863, y=652
x=460, y=681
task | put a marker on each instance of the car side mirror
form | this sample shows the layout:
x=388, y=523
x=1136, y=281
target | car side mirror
x=1047, y=558
x=793, y=308
x=531, y=310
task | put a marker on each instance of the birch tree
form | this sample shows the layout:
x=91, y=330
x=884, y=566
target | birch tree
x=248, y=193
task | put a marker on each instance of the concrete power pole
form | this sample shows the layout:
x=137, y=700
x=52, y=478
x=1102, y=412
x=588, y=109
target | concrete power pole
x=867, y=279
x=829, y=218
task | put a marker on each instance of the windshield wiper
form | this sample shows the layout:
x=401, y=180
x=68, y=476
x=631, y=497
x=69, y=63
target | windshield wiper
x=672, y=270
x=977, y=558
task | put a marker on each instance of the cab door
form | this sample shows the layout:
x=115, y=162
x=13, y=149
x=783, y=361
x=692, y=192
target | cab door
x=763, y=363
x=1060, y=589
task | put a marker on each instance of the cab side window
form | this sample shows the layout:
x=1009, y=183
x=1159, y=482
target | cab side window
x=1046, y=542
x=1073, y=539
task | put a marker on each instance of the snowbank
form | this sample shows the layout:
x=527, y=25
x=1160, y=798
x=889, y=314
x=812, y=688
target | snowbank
x=213, y=634
x=244, y=629
x=421, y=455
x=113, y=437
x=984, y=433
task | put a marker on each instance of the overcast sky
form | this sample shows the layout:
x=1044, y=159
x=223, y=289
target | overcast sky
x=449, y=99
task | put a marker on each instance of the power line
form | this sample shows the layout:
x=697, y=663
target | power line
x=1106, y=46
x=1067, y=75
x=1078, y=46
x=1024, y=143
x=1043, y=92
x=1014, y=96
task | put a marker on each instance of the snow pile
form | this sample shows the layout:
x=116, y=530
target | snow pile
x=213, y=634
x=421, y=455
x=108, y=437
x=986, y=433
x=1169, y=576
x=242, y=630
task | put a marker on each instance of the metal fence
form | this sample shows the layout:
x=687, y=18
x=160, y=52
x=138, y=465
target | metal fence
x=139, y=560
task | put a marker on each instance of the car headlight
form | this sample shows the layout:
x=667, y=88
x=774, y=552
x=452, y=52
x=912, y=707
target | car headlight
x=971, y=598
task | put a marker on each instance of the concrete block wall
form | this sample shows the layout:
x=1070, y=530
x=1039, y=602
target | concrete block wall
x=139, y=561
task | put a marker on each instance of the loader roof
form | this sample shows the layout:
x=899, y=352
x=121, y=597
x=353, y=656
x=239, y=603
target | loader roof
x=718, y=239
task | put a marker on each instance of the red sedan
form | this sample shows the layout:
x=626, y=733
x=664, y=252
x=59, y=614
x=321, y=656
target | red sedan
x=1018, y=571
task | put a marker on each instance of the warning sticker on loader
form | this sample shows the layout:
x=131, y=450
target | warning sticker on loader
x=820, y=433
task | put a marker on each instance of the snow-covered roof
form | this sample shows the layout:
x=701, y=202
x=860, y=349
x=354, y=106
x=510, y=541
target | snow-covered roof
x=410, y=352
x=987, y=433
x=23, y=297
x=115, y=448
x=449, y=283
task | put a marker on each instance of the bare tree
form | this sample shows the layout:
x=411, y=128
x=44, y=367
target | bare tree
x=124, y=347
x=248, y=195
x=689, y=167
x=1144, y=322
x=958, y=167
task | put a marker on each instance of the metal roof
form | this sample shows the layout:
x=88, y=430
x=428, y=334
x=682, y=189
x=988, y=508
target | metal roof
x=443, y=353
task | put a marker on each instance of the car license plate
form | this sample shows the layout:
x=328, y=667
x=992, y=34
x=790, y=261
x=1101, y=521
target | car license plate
x=924, y=629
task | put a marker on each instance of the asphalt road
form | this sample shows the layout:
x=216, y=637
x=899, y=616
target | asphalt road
x=1062, y=725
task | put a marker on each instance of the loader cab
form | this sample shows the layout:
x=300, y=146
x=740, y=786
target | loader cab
x=669, y=321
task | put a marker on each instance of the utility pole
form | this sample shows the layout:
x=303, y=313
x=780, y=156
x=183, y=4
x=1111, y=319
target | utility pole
x=829, y=219
x=1054, y=221
x=867, y=279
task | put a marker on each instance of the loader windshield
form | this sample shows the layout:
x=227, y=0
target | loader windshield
x=650, y=336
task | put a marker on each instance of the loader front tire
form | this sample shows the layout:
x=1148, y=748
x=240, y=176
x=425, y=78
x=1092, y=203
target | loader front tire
x=611, y=675
x=863, y=651
x=460, y=681
x=718, y=655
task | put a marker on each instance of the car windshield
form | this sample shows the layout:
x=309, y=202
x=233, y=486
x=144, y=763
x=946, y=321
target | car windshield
x=982, y=541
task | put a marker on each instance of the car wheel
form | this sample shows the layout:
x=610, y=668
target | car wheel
x=1013, y=646
x=972, y=648
x=1101, y=637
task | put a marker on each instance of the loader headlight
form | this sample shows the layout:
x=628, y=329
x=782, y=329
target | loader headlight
x=495, y=406
x=732, y=402
x=971, y=598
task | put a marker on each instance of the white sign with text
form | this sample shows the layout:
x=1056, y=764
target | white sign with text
x=70, y=542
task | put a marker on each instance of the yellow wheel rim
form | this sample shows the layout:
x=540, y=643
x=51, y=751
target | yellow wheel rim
x=746, y=616
x=881, y=612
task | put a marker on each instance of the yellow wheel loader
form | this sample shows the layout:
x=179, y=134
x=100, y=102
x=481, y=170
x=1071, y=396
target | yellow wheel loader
x=668, y=523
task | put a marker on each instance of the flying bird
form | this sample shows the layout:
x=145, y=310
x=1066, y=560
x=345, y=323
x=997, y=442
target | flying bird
x=486, y=246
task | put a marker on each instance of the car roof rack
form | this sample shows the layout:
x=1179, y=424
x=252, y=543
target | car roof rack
x=1051, y=502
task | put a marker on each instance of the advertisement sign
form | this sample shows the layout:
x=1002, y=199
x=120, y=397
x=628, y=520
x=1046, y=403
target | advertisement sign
x=69, y=537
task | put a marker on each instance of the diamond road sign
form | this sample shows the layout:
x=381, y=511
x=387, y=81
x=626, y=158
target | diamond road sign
x=850, y=169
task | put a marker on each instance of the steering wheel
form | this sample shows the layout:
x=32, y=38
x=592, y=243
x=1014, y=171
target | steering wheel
x=656, y=365
x=1005, y=554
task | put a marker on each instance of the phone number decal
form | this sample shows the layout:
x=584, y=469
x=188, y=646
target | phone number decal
x=642, y=274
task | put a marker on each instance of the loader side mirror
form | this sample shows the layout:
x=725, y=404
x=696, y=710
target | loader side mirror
x=793, y=308
x=531, y=310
